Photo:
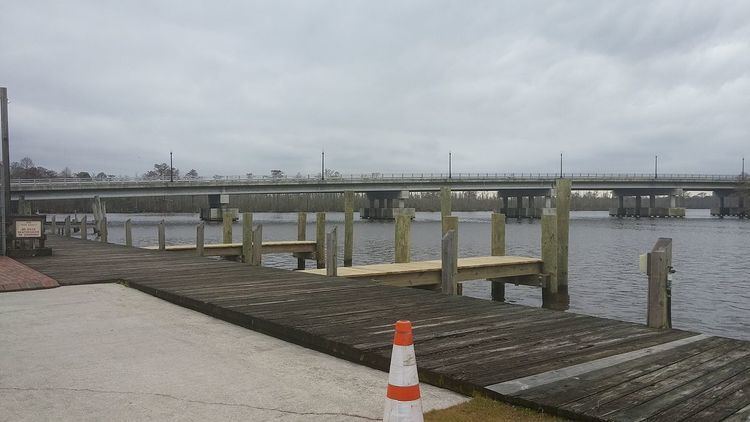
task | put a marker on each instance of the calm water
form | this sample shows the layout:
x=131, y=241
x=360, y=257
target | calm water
x=711, y=289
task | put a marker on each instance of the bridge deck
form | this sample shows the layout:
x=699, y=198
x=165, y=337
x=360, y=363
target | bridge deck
x=429, y=272
x=226, y=249
x=573, y=365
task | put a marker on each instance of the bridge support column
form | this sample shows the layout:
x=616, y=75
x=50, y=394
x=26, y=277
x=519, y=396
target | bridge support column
x=620, y=206
x=506, y=205
x=674, y=209
x=386, y=205
x=519, y=207
x=638, y=206
x=217, y=205
x=652, y=205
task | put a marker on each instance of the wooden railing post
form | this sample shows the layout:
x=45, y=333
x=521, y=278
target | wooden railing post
x=449, y=260
x=562, y=205
x=257, y=252
x=331, y=253
x=445, y=205
x=320, y=239
x=659, y=266
x=247, y=236
x=68, y=228
x=497, y=246
x=227, y=225
x=301, y=235
x=403, y=238
x=200, y=238
x=128, y=233
x=84, y=229
x=550, y=249
x=348, y=228
x=162, y=236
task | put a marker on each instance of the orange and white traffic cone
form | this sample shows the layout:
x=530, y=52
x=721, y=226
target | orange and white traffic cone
x=403, y=402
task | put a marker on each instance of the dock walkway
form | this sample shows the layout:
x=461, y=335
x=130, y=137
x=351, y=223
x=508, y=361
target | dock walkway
x=572, y=365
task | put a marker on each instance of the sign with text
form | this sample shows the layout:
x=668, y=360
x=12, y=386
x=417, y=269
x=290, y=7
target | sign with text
x=28, y=228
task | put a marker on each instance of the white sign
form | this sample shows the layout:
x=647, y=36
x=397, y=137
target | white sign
x=28, y=229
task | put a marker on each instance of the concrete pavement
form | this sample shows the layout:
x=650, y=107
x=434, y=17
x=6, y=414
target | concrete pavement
x=107, y=352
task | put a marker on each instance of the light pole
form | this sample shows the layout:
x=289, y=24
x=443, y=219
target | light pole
x=743, y=169
x=322, y=165
x=450, y=164
x=561, y=165
x=5, y=171
x=656, y=166
x=171, y=171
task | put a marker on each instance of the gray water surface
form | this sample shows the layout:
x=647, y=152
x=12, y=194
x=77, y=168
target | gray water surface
x=711, y=289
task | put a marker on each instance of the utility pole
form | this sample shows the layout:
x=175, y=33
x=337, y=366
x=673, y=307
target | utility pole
x=5, y=174
x=450, y=164
x=561, y=165
x=656, y=166
x=171, y=172
x=323, y=165
x=743, y=169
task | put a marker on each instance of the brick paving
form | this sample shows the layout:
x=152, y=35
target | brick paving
x=15, y=276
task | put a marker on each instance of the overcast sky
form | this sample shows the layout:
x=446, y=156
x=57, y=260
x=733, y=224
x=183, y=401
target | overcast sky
x=382, y=86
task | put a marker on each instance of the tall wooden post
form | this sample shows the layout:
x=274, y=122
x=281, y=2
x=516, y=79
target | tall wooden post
x=498, y=249
x=128, y=233
x=449, y=260
x=563, y=229
x=162, y=236
x=348, y=228
x=445, y=205
x=403, y=238
x=659, y=266
x=301, y=235
x=68, y=229
x=257, y=253
x=53, y=225
x=84, y=229
x=103, y=233
x=331, y=252
x=450, y=223
x=247, y=236
x=550, y=248
x=227, y=226
x=320, y=239
x=200, y=238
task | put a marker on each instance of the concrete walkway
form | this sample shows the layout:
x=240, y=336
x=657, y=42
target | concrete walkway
x=107, y=352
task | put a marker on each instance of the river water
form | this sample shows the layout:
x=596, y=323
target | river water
x=711, y=288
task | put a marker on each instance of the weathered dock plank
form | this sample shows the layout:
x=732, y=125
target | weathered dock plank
x=465, y=344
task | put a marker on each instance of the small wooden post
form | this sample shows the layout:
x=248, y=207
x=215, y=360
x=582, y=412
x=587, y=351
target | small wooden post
x=227, y=220
x=331, y=253
x=84, y=229
x=68, y=229
x=257, y=253
x=403, y=238
x=162, y=236
x=449, y=260
x=247, y=236
x=497, y=246
x=550, y=248
x=200, y=238
x=128, y=233
x=301, y=235
x=348, y=228
x=445, y=205
x=659, y=260
x=320, y=236
x=103, y=234
x=562, y=204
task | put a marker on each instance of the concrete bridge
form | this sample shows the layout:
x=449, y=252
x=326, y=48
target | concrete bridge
x=387, y=192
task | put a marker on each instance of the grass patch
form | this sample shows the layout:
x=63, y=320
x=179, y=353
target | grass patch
x=481, y=409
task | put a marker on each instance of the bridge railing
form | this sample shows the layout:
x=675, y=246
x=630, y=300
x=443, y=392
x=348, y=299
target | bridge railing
x=376, y=177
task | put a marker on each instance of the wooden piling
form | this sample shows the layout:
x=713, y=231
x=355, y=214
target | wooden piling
x=301, y=235
x=103, y=233
x=257, y=252
x=128, y=233
x=68, y=230
x=451, y=223
x=563, y=229
x=84, y=229
x=247, y=236
x=331, y=253
x=497, y=246
x=53, y=225
x=659, y=265
x=320, y=238
x=403, y=238
x=449, y=260
x=227, y=226
x=348, y=228
x=200, y=238
x=445, y=205
x=162, y=236
x=550, y=249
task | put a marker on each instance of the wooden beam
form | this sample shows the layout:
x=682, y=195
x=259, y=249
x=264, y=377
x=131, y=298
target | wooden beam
x=301, y=235
x=320, y=238
x=162, y=236
x=200, y=237
x=128, y=233
x=348, y=228
x=449, y=261
x=331, y=253
x=403, y=238
x=226, y=217
x=659, y=313
x=247, y=236
x=550, y=248
x=562, y=204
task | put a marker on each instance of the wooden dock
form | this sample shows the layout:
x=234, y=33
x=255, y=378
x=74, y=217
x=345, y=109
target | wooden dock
x=573, y=365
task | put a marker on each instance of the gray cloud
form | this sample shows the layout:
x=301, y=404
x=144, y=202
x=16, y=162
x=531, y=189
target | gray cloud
x=236, y=87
